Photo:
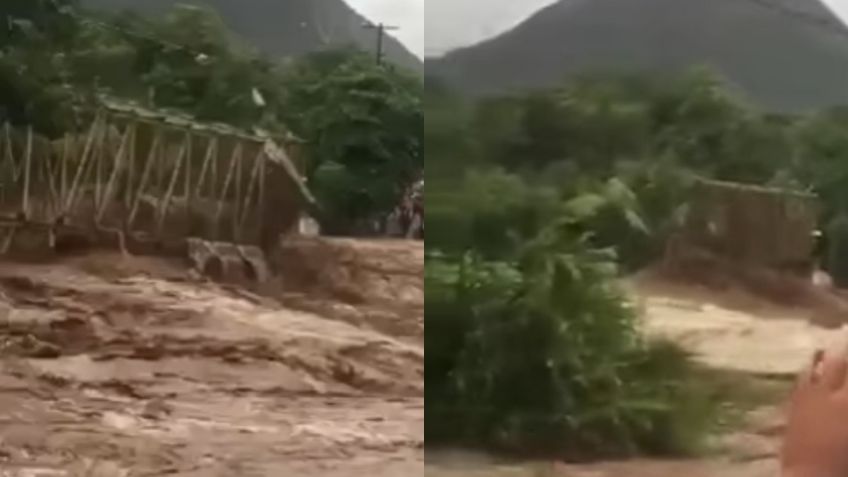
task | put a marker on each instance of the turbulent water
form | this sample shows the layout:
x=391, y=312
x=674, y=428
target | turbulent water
x=150, y=372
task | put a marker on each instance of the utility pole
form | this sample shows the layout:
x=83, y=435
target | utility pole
x=381, y=34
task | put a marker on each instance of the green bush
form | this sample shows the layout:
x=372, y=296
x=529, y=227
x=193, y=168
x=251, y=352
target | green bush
x=541, y=354
x=489, y=211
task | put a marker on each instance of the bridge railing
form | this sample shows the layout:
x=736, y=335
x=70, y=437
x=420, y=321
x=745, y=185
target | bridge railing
x=147, y=178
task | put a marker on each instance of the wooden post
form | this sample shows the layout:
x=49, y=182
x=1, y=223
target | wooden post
x=188, y=168
x=4, y=182
x=98, y=164
x=10, y=154
x=187, y=195
x=63, y=172
x=237, y=202
x=248, y=198
x=87, y=171
x=12, y=164
x=235, y=158
x=42, y=206
x=71, y=199
x=166, y=201
x=130, y=178
x=211, y=154
x=160, y=158
x=213, y=185
x=260, y=212
x=118, y=163
x=27, y=174
x=145, y=177
x=54, y=202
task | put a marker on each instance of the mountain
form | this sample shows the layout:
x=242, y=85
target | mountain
x=784, y=54
x=282, y=28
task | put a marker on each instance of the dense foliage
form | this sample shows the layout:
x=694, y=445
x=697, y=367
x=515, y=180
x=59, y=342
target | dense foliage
x=537, y=202
x=360, y=121
x=363, y=128
x=532, y=347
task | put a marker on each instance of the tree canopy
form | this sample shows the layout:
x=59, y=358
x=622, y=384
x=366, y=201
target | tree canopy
x=361, y=121
x=538, y=202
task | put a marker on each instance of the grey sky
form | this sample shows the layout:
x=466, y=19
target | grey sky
x=447, y=24
x=407, y=14
x=454, y=23
x=839, y=6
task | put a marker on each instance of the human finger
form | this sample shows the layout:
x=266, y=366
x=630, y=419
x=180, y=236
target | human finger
x=833, y=370
x=812, y=373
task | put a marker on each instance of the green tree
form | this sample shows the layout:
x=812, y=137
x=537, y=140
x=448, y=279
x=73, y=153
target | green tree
x=489, y=211
x=534, y=348
x=189, y=61
x=23, y=21
x=33, y=86
x=822, y=158
x=448, y=134
x=362, y=125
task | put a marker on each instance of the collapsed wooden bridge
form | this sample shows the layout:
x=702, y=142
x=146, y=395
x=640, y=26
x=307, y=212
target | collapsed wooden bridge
x=147, y=177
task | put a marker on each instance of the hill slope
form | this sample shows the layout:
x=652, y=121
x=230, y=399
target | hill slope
x=282, y=28
x=781, y=60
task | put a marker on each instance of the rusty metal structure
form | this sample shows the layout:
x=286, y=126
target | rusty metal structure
x=148, y=176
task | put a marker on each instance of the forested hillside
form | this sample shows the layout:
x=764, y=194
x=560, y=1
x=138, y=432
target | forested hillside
x=282, y=28
x=360, y=122
x=782, y=54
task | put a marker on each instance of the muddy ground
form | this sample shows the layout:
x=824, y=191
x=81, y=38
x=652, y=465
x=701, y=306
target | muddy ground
x=113, y=366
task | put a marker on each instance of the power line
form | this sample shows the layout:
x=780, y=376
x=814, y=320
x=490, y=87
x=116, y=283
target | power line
x=810, y=18
x=381, y=33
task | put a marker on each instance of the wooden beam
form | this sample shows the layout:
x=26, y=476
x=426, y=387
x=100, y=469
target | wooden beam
x=235, y=158
x=81, y=167
x=211, y=153
x=187, y=192
x=98, y=165
x=55, y=200
x=145, y=177
x=118, y=163
x=166, y=201
x=254, y=178
x=27, y=174
x=131, y=156
x=237, y=202
x=63, y=172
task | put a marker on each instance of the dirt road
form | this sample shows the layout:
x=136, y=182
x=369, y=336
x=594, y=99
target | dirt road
x=110, y=371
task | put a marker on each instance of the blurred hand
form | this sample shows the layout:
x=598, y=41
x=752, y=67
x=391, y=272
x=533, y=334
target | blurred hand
x=816, y=441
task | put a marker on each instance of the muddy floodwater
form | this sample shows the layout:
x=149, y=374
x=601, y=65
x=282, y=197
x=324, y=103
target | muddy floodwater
x=144, y=371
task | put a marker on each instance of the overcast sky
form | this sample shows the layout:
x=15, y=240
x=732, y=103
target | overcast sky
x=454, y=23
x=407, y=14
x=839, y=6
x=447, y=24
